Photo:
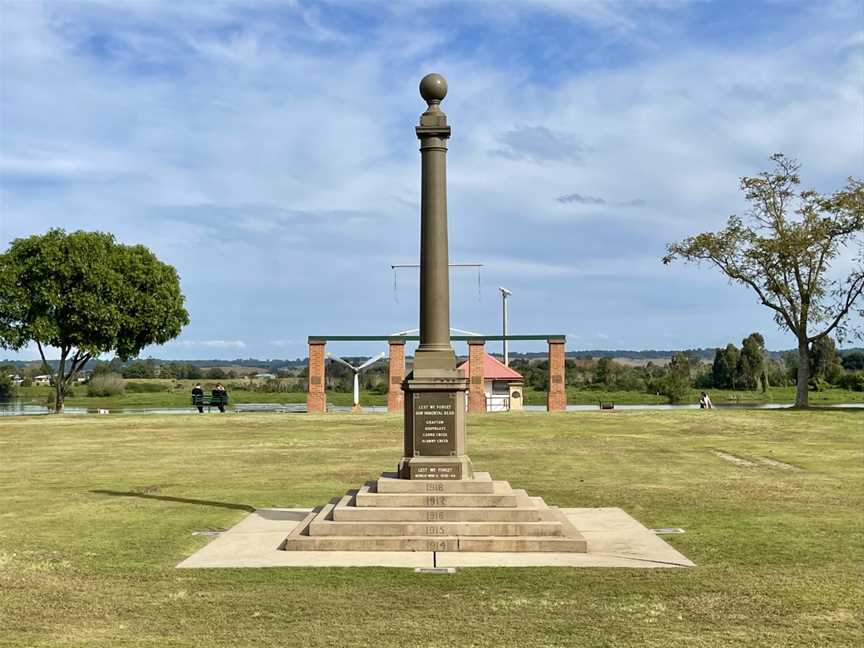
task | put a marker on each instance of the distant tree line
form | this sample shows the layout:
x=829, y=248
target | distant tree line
x=750, y=368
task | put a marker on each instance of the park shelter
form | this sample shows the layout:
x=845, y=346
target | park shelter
x=502, y=385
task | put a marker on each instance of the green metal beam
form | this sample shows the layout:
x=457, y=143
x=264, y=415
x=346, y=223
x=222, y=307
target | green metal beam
x=415, y=338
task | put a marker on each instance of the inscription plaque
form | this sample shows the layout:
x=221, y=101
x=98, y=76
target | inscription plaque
x=436, y=471
x=434, y=424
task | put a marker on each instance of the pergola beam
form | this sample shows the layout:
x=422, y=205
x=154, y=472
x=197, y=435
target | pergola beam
x=416, y=338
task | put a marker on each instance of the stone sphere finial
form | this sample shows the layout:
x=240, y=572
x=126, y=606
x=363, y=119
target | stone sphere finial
x=433, y=88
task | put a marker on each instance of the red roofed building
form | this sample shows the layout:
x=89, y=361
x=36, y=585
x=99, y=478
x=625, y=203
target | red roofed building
x=503, y=385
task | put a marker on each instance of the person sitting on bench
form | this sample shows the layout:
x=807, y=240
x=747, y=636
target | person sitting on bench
x=219, y=394
x=198, y=397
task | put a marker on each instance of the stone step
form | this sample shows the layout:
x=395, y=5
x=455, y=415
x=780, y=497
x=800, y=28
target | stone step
x=346, y=512
x=420, y=543
x=322, y=525
x=503, y=496
x=482, y=483
x=473, y=529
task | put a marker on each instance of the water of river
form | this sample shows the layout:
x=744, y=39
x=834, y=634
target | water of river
x=17, y=408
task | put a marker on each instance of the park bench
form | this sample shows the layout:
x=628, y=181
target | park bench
x=209, y=401
x=607, y=406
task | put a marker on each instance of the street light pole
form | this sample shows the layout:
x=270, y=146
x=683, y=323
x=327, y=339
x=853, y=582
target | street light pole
x=504, y=295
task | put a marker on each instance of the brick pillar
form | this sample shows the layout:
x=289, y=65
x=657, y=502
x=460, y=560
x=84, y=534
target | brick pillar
x=316, y=399
x=476, y=391
x=556, y=397
x=395, y=395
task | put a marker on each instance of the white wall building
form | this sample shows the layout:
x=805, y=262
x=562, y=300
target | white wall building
x=503, y=385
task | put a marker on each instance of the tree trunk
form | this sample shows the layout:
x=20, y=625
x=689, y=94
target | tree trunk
x=58, y=383
x=58, y=399
x=801, y=395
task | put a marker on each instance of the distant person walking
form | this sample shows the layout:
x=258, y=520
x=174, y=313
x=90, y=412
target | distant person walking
x=221, y=396
x=198, y=397
x=705, y=402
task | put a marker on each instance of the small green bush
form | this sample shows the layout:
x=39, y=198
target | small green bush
x=8, y=389
x=271, y=386
x=111, y=384
x=852, y=380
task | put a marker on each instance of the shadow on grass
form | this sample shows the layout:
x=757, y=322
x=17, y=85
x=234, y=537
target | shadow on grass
x=179, y=500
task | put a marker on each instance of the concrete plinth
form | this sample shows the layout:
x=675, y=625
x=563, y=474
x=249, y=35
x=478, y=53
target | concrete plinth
x=615, y=540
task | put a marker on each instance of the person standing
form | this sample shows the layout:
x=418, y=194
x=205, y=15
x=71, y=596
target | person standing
x=198, y=397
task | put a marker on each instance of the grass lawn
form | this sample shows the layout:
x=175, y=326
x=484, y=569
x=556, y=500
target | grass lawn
x=779, y=550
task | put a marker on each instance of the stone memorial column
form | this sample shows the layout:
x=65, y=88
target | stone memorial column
x=316, y=398
x=434, y=390
x=395, y=397
x=556, y=397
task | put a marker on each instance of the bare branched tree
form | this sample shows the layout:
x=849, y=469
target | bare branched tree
x=783, y=252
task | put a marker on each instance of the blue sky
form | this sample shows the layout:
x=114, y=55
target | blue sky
x=267, y=151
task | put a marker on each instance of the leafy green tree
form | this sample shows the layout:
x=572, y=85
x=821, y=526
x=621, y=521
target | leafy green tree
x=8, y=389
x=784, y=254
x=751, y=363
x=168, y=370
x=102, y=368
x=215, y=373
x=824, y=362
x=725, y=366
x=604, y=372
x=676, y=384
x=139, y=369
x=85, y=294
x=853, y=360
x=775, y=373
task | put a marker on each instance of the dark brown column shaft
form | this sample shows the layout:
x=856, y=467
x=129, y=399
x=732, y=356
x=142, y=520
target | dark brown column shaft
x=434, y=262
x=435, y=352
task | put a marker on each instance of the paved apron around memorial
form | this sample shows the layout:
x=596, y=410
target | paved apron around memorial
x=615, y=539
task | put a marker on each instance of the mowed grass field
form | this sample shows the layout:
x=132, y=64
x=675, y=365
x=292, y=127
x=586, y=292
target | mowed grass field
x=95, y=512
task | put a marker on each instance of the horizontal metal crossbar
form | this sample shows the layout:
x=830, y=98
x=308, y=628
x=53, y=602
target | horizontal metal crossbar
x=415, y=338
